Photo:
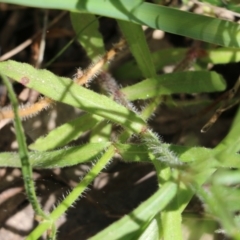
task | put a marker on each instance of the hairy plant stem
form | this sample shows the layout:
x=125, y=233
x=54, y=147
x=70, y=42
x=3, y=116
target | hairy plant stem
x=23, y=153
x=74, y=194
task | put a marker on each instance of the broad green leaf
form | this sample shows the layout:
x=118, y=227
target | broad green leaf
x=59, y=158
x=65, y=90
x=181, y=82
x=90, y=38
x=62, y=135
x=131, y=225
x=204, y=28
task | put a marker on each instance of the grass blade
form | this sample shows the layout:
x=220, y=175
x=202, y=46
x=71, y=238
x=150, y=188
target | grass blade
x=135, y=37
x=168, y=19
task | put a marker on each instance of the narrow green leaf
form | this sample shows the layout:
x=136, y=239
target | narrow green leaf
x=131, y=225
x=56, y=159
x=129, y=152
x=90, y=39
x=204, y=28
x=181, y=82
x=65, y=90
x=135, y=37
x=62, y=135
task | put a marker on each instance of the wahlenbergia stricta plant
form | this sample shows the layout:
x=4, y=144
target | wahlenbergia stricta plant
x=162, y=153
x=177, y=180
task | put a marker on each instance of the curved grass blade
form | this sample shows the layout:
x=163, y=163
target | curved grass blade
x=204, y=28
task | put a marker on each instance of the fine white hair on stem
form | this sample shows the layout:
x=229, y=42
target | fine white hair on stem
x=160, y=150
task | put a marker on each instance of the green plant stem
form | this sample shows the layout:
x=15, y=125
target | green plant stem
x=74, y=195
x=23, y=154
